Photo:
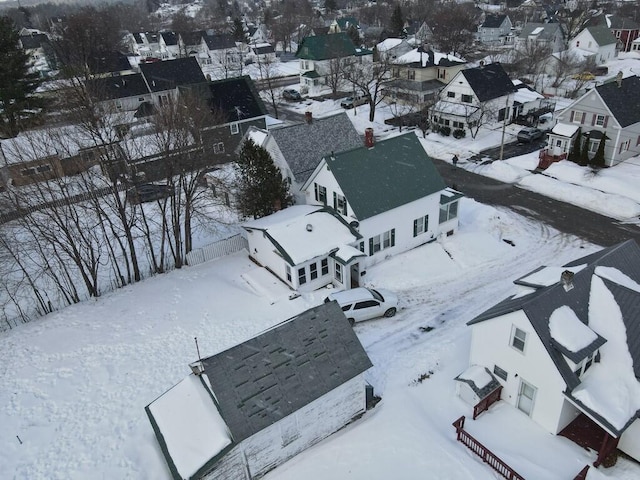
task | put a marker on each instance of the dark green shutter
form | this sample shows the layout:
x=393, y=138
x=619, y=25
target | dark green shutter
x=335, y=201
x=393, y=237
x=415, y=228
x=371, y=246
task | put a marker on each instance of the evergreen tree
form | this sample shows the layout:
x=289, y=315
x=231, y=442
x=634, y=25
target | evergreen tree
x=574, y=153
x=598, y=158
x=330, y=5
x=396, y=23
x=584, y=152
x=17, y=85
x=354, y=35
x=238, y=30
x=261, y=188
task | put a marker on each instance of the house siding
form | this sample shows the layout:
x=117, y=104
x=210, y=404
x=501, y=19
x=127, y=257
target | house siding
x=231, y=466
x=314, y=422
x=491, y=345
x=585, y=41
x=630, y=440
x=401, y=220
x=592, y=105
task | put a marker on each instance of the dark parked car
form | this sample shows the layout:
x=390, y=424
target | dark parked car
x=291, y=94
x=529, y=134
x=148, y=192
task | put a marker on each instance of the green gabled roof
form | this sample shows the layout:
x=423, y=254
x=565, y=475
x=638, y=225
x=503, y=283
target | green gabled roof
x=325, y=47
x=311, y=74
x=393, y=173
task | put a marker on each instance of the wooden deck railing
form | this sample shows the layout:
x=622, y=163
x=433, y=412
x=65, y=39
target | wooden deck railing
x=583, y=474
x=484, y=404
x=484, y=453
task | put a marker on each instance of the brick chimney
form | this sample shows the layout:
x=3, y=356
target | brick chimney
x=619, y=79
x=308, y=116
x=369, y=139
x=567, y=280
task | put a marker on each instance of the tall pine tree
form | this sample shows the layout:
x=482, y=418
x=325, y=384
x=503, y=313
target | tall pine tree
x=598, y=158
x=396, y=22
x=17, y=84
x=261, y=188
x=574, y=153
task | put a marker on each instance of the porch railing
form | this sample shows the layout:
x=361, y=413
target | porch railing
x=583, y=474
x=484, y=453
x=484, y=404
x=546, y=159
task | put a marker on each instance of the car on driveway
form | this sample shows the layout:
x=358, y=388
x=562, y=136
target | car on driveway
x=351, y=102
x=361, y=303
x=529, y=134
x=291, y=94
x=148, y=192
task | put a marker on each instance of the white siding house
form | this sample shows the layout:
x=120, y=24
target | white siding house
x=252, y=407
x=390, y=191
x=598, y=42
x=556, y=347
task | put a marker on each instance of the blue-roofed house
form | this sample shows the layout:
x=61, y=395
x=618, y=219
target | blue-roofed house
x=566, y=349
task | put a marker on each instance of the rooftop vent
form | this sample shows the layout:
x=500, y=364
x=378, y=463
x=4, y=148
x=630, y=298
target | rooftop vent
x=309, y=227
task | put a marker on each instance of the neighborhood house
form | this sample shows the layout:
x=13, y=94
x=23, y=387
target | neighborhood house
x=566, y=350
x=250, y=408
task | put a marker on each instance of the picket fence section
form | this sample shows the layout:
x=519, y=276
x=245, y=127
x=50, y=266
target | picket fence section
x=217, y=249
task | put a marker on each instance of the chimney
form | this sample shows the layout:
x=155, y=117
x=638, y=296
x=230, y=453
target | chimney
x=369, y=139
x=619, y=78
x=308, y=116
x=197, y=367
x=567, y=280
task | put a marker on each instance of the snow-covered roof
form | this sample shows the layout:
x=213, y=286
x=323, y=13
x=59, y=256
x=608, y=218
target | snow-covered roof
x=525, y=94
x=346, y=253
x=304, y=232
x=415, y=56
x=567, y=329
x=537, y=30
x=190, y=424
x=565, y=130
x=388, y=44
x=479, y=379
x=610, y=388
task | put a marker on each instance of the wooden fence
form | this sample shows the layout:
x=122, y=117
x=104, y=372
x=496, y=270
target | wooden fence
x=216, y=250
x=486, y=402
x=484, y=453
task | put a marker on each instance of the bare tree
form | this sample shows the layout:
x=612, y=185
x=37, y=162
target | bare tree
x=453, y=26
x=268, y=73
x=368, y=79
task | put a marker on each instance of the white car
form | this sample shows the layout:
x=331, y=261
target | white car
x=364, y=303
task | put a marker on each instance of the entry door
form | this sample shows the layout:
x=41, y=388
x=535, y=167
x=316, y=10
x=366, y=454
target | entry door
x=526, y=397
x=355, y=275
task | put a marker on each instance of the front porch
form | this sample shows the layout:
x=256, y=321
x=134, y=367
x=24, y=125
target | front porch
x=588, y=434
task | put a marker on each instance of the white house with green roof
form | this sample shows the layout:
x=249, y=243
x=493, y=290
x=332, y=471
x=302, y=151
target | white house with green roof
x=321, y=56
x=391, y=193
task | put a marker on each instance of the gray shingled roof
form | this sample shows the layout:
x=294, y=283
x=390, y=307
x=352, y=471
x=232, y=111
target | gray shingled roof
x=602, y=35
x=393, y=173
x=237, y=98
x=303, y=145
x=109, y=88
x=489, y=81
x=283, y=369
x=493, y=21
x=623, y=100
x=548, y=33
x=539, y=306
x=170, y=74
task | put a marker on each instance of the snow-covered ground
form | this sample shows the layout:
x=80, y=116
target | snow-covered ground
x=74, y=384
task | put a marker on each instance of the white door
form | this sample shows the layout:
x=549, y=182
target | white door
x=526, y=397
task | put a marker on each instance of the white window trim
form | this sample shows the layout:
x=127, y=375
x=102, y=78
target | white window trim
x=235, y=128
x=514, y=329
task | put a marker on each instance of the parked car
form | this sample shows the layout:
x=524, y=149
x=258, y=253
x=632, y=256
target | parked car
x=351, y=102
x=148, y=192
x=291, y=94
x=585, y=76
x=364, y=303
x=529, y=134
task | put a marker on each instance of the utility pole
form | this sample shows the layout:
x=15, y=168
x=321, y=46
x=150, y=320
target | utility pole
x=504, y=126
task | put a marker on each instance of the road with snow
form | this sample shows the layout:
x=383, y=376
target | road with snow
x=566, y=218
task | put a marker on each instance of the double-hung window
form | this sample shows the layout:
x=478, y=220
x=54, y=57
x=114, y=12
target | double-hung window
x=518, y=339
x=339, y=203
x=338, y=272
x=320, y=193
x=324, y=266
x=302, y=276
x=313, y=271
x=382, y=241
x=420, y=225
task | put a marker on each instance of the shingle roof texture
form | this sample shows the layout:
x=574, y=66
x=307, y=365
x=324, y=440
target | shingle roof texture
x=283, y=369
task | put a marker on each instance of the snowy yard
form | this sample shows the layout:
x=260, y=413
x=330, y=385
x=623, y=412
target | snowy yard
x=74, y=384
